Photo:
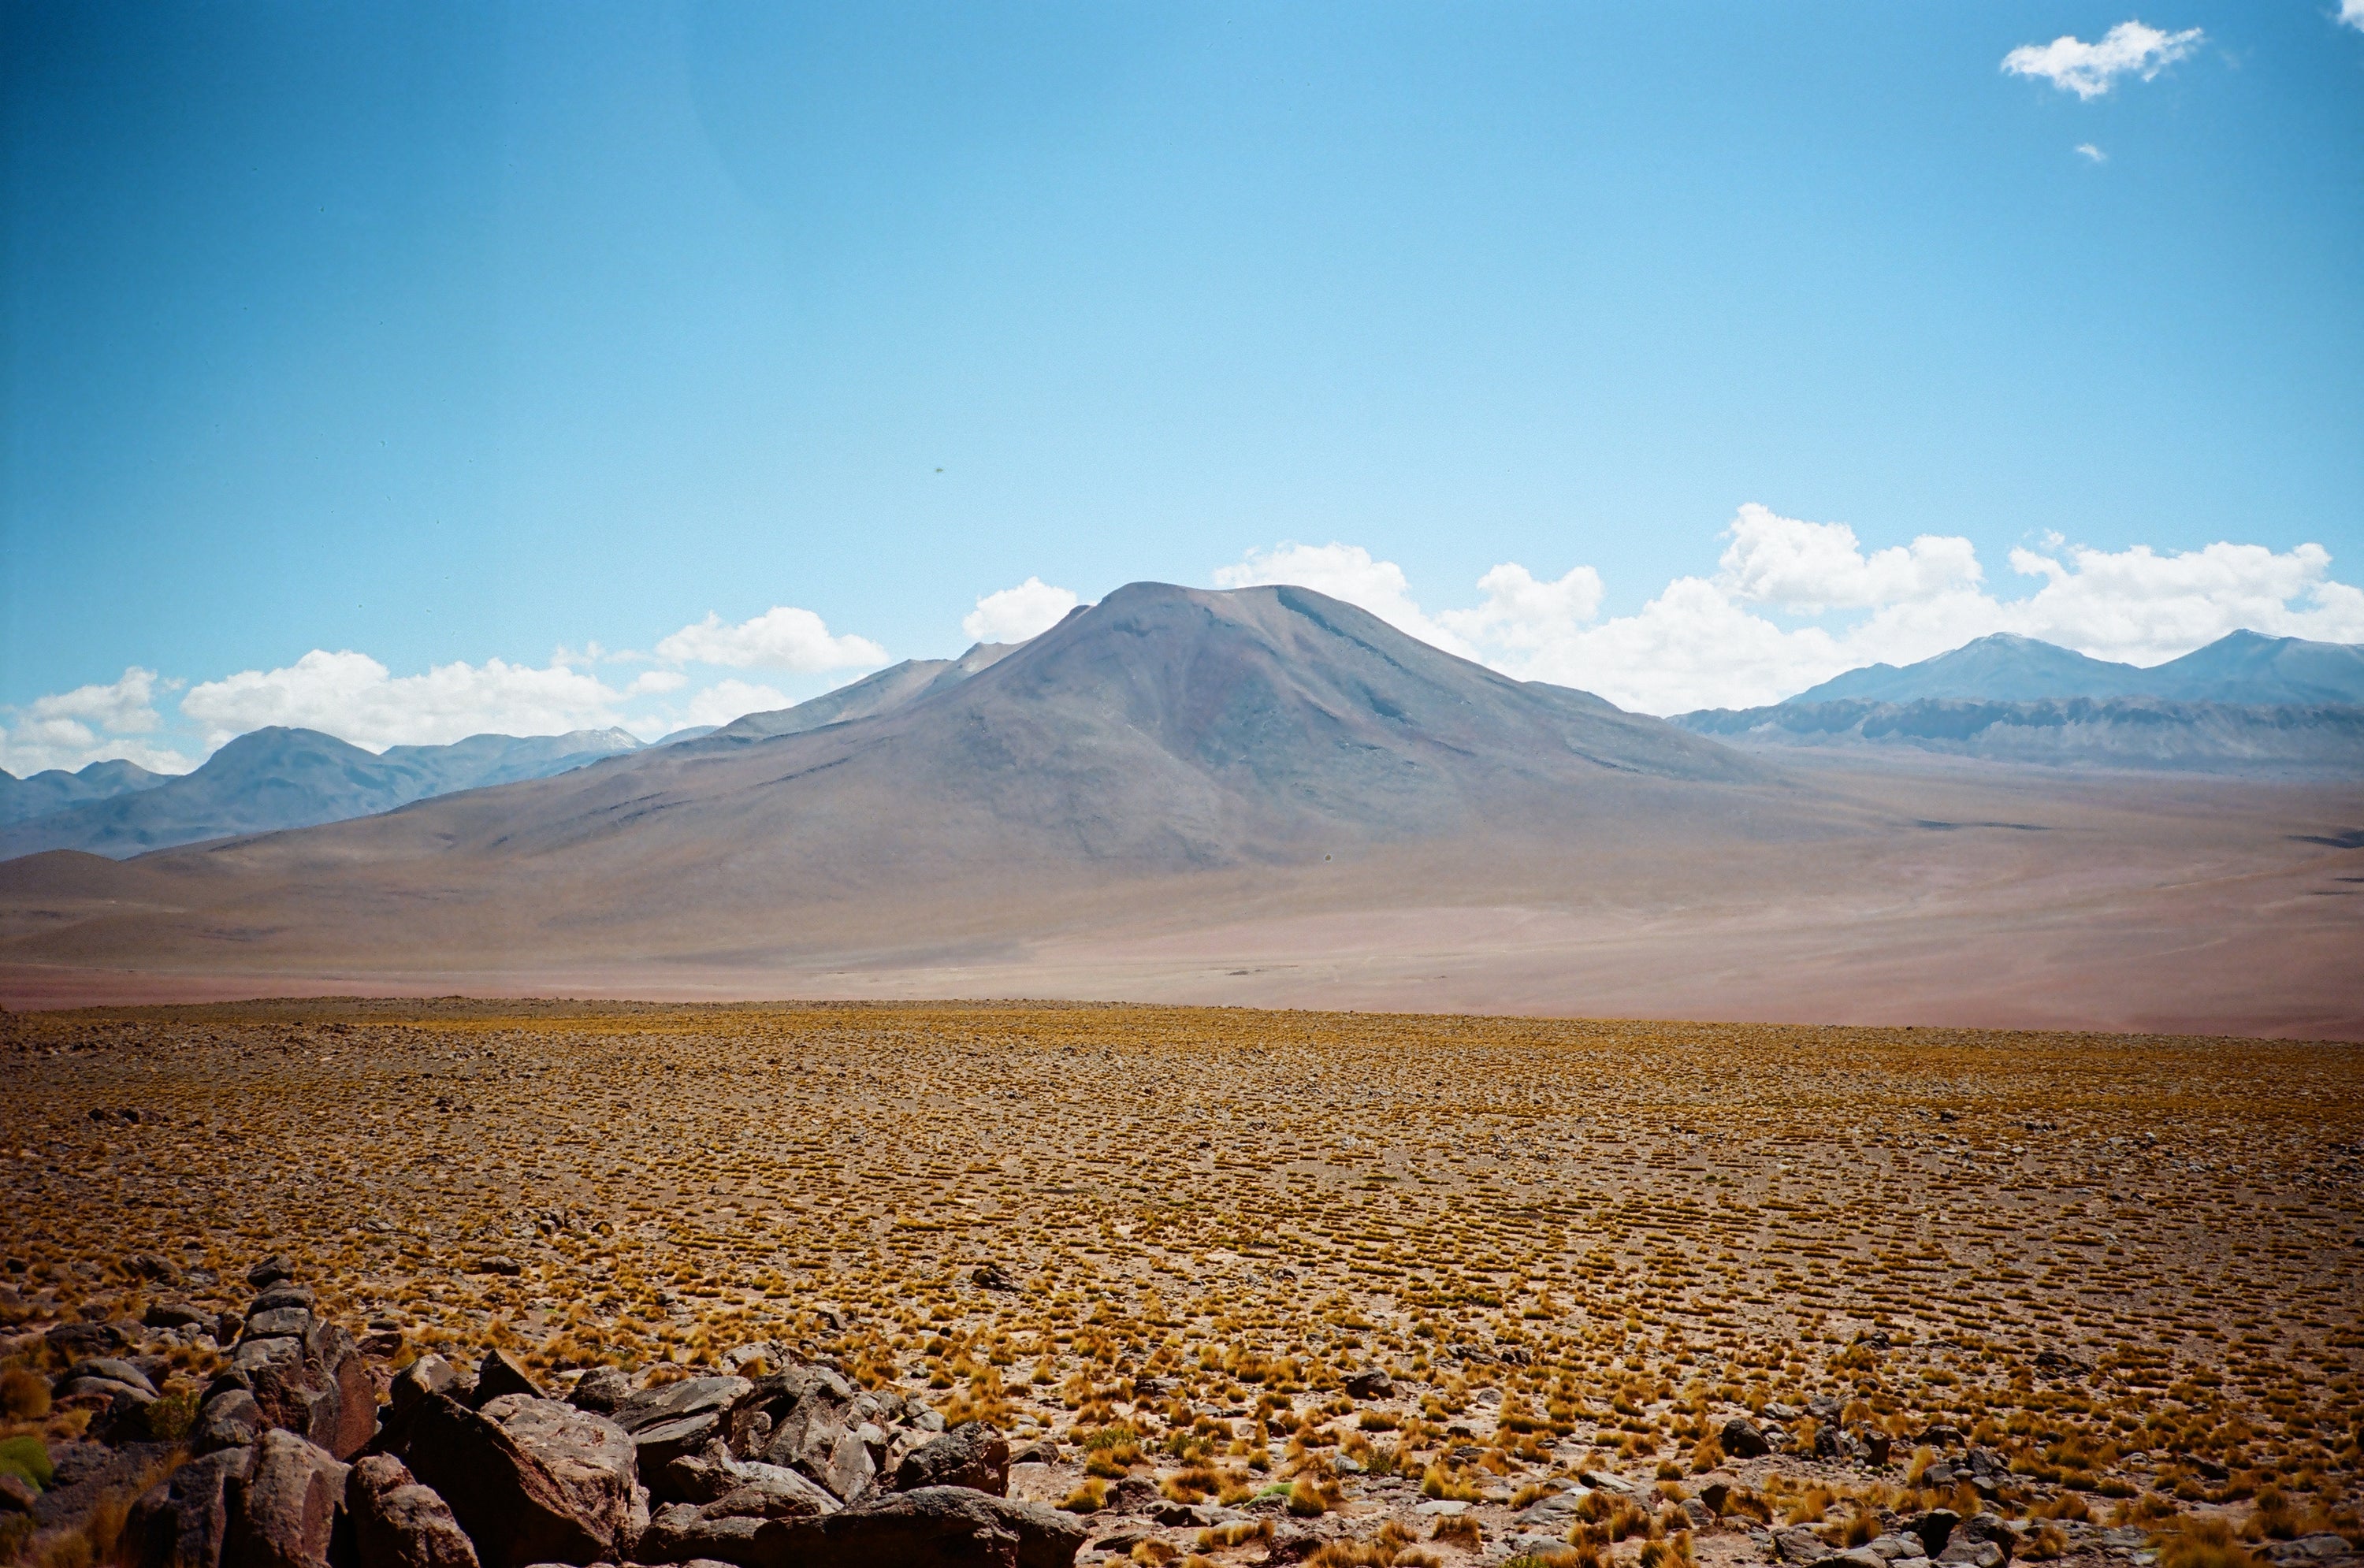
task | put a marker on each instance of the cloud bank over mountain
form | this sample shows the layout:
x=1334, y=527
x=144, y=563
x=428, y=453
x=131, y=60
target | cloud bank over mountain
x=1789, y=603
x=1793, y=602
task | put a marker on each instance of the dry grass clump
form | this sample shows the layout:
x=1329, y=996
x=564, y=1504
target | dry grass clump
x=1570, y=1244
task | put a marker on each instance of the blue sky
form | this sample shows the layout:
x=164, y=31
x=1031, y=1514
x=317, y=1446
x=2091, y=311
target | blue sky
x=430, y=339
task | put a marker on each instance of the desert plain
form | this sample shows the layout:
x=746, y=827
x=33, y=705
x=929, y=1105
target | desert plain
x=1247, y=1287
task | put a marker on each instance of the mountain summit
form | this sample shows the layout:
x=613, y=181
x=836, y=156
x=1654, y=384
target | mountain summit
x=2243, y=667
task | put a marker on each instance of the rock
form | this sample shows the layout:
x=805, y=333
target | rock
x=1741, y=1438
x=1373, y=1382
x=177, y=1315
x=184, y=1519
x=679, y=1418
x=397, y=1523
x=1990, y=1529
x=268, y=1273
x=601, y=1391
x=315, y=1383
x=278, y=1322
x=972, y=1454
x=1553, y=1514
x=1934, y=1529
x=428, y=1375
x=2308, y=1549
x=1974, y=1553
x=944, y=1525
x=500, y=1374
x=77, y=1340
x=989, y=1276
x=1603, y=1481
x=1716, y=1495
x=286, y=1506
x=498, y=1264
x=110, y=1369
x=17, y=1496
x=816, y=1430
x=1800, y=1546
x=230, y=1419
x=1824, y=1408
x=529, y=1480
x=1697, y=1515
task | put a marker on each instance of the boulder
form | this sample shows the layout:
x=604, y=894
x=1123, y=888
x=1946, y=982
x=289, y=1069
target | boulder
x=501, y=1375
x=753, y=1490
x=529, y=1480
x=972, y=1454
x=230, y=1419
x=601, y=1391
x=1934, y=1529
x=1373, y=1382
x=1741, y=1438
x=184, y=1519
x=313, y=1383
x=111, y=1370
x=285, y=1506
x=815, y=1428
x=947, y=1525
x=428, y=1375
x=177, y=1315
x=268, y=1273
x=397, y=1523
x=679, y=1418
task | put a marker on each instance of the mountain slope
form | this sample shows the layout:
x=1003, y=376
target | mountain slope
x=2116, y=732
x=54, y=789
x=2242, y=667
x=866, y=698
x=277, y=778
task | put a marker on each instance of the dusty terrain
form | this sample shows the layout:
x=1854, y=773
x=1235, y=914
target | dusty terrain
x=1941, y=894
x=2099, y=1287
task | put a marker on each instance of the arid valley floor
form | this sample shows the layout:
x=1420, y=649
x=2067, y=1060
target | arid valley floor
x=2096, y=1287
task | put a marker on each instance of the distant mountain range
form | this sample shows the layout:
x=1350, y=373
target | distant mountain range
x=277, y=778
x=55, y=789
x=2244, y=703
x=2242, y=668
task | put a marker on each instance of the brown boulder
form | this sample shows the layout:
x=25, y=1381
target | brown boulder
x=285, y=1506
x=501, y=1375
x=397, y=1523
x=529, y=1480
x=972, y=1454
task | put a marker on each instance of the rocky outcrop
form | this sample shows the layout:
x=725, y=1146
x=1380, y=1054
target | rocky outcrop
x=529, y=1480
x=972, y=1454
x=285, y=1507
x=184, y=1521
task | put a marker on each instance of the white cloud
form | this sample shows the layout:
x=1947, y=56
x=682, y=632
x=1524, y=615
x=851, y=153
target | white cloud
x=726, y=700
x=2087, y=69
x=2352, y=13
x=1813, y=567
x=1707, y=641
x=1343, y=571
x=90, y=723
x=781, y=638
x=1013, y=615
x=2097, y=156
x=352, y=696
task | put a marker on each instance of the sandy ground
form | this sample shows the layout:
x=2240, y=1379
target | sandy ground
x=1989, y=897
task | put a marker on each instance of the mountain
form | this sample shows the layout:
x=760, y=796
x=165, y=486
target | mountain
x=2242, y=667
x=1163, y=732
x=54, y=789
x=2245, y=667
x=866, y=698
x=2115, y=732
x=277, y=778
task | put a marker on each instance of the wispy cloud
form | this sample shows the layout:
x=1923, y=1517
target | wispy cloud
x=2352, y=13
x=2097, y=155
x=2087, y=69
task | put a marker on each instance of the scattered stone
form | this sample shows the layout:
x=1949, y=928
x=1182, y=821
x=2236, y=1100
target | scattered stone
x=1741, y=1438
x=1371, y=1383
